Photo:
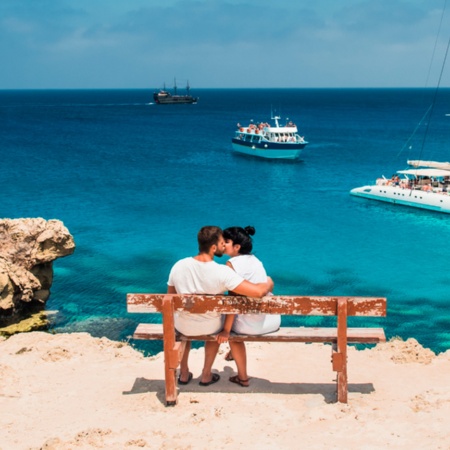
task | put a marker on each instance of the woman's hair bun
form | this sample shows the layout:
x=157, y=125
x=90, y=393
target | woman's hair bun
x=249, y=230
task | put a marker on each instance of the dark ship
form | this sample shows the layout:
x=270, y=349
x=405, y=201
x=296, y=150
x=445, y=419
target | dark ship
x=164, y=97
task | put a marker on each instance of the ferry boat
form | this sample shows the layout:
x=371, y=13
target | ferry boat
x=164, y=97
x=424, y=186
x=266, y=141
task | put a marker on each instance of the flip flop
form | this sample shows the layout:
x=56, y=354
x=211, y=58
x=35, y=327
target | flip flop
x=185, y=382
x=215, y=378
x=235, y=379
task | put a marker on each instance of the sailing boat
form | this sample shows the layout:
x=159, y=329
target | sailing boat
x=164, y=97
x=425, y=185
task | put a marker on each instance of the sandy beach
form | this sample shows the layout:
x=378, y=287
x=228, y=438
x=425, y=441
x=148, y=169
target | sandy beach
x=73, y=391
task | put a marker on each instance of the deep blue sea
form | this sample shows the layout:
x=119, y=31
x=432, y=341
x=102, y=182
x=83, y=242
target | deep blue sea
x=133, y=182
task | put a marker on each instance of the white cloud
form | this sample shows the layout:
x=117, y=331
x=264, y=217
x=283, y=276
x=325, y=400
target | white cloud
x=219, y=43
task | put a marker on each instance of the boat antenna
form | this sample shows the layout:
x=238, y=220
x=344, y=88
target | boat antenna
x=277, y=114
x=175, y=86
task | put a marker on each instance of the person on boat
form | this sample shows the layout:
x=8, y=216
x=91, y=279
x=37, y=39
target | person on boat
x=395, y=180
x=404, y=184
x=202, y=275
x=238, y=245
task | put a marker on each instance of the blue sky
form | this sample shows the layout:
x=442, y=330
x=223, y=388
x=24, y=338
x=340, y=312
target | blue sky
x=221, y=43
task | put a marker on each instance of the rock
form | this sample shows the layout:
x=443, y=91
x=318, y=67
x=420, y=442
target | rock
x=34, y=322
x=28, y=248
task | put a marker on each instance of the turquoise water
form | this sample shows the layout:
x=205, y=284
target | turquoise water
x=133, y=182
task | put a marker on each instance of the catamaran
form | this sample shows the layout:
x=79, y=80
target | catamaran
x=425, y=185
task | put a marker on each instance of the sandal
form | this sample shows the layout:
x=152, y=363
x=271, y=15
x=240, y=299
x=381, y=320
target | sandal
x=187, y=381
x=235, y=379
x=229, y=356
x=214, y=379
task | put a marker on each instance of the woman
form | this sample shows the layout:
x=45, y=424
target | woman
x=238, y=245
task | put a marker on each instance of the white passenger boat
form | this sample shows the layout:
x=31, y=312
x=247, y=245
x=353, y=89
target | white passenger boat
x=266, y=141
x=425, y=186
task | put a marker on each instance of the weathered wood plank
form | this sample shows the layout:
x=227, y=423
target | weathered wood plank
x=154, y=331
x=276, y=304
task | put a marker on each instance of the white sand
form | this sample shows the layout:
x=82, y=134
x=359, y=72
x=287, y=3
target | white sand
x=72, y=391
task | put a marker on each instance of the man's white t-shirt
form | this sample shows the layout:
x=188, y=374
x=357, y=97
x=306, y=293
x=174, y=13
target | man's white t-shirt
x=190, y=276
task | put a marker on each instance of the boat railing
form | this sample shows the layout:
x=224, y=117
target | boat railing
x=270, y=134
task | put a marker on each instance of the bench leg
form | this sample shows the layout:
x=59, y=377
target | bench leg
x=342, y=386
x=171, y=363
x=171, y=353
x=340, y=358
x=171, y=386
x=340, y=366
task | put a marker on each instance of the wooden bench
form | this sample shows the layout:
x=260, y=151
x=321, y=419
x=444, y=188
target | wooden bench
x=339, y=336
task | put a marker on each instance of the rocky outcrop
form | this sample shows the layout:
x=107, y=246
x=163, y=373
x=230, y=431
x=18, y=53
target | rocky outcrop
x=28, y=248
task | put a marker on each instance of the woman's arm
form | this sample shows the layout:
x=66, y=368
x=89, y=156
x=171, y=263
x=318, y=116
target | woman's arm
x=224, y=335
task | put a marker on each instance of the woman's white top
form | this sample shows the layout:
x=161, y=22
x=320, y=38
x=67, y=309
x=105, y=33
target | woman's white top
x=251, y=268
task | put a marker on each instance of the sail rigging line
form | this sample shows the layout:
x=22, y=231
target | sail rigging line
x=430, y=109
x=414, y=132
x=434, y=100
x=436, y=42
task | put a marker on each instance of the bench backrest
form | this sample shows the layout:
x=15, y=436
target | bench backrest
x=271, y=304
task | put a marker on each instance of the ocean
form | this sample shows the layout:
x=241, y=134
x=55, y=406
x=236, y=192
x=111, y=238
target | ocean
x=133, y=182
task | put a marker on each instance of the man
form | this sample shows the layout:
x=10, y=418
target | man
x=202, y=275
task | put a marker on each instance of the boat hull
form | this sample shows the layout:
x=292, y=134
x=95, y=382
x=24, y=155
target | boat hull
x=267, y=150
x=415, y=198
x=174, y=100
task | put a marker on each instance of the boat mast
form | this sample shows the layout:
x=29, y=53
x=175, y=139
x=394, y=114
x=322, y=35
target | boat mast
x=175, y=86
x=431, y=109
x=275, y=118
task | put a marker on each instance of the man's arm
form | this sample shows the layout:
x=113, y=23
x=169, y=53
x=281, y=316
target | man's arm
x=254, y=290
x=171, y=290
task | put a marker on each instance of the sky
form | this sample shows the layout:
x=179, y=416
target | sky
x=87, y=44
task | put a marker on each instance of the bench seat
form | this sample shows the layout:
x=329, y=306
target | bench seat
x=154, y=331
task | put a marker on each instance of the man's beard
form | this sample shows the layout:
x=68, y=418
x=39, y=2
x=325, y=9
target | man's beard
x=218, y=253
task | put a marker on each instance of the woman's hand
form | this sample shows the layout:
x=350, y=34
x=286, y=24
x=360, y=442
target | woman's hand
x=223, y=337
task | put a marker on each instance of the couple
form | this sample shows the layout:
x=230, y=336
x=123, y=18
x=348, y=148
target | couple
x=243, y=274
